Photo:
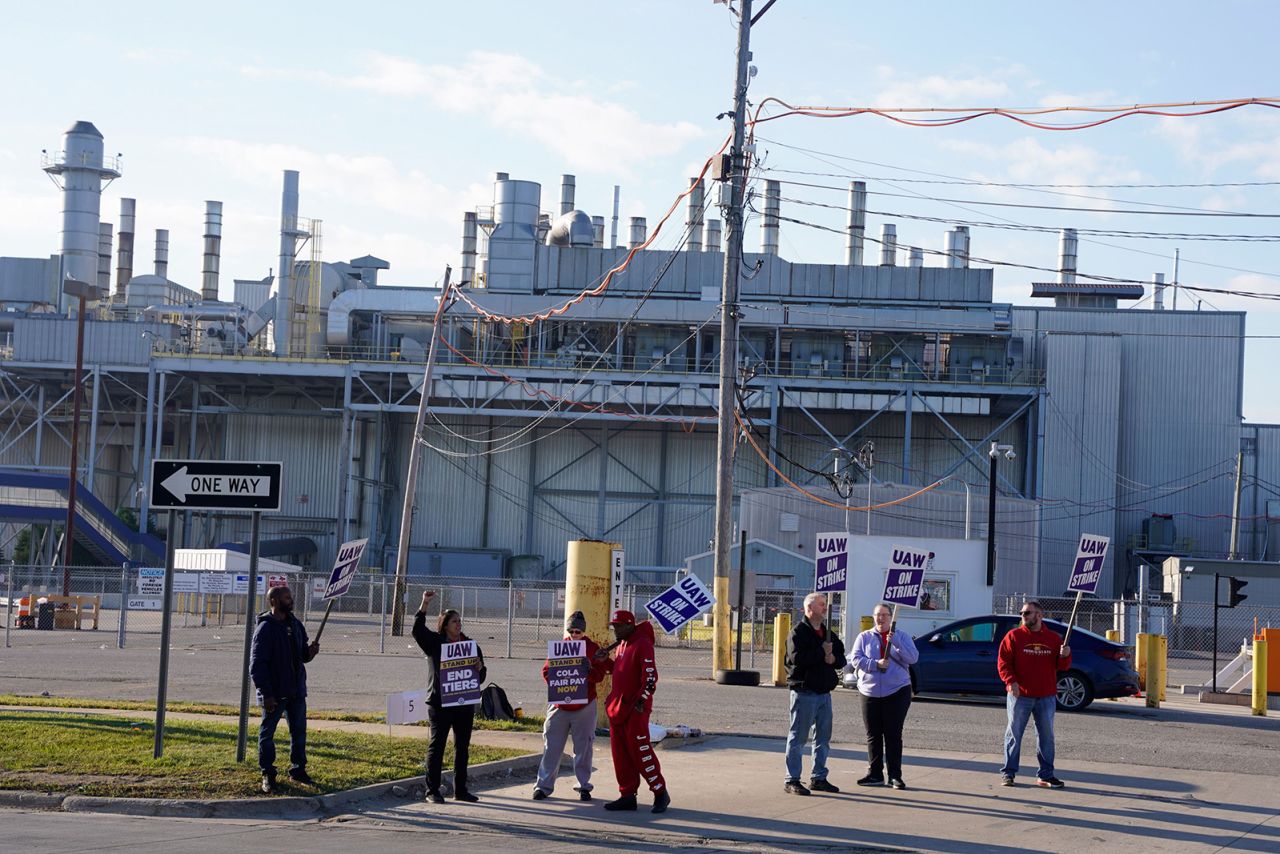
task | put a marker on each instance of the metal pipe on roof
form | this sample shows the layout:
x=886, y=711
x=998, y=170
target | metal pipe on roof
x=597, y=232
x=713, y=236
x=693, y=220
x=1067, y=256
x=470, y=232
x=613, y=229
x=567, y=187
x=288, y=255
x=769, y=222
x=212, y=251
x=915, y=257
x=1157, y=281
x=104, y=256
x=857, y=223
x=962, y=246
x=124, y=247
x=162, y=253
x=888, y=244
x=639, y=232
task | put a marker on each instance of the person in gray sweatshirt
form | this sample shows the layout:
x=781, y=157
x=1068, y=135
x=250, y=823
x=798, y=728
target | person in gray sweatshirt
x=883, y=659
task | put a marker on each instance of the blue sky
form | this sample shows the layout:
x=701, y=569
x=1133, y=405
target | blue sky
x=398, y=114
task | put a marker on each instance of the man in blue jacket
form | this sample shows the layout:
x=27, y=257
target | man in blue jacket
x=277, y=665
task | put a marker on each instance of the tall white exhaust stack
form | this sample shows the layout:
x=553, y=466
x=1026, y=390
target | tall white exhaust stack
x=857, y=223
x=81, y=170
x=888, y=245
x=470, y=233
x=288, y=255
x=104, y=256
x=1067, y=252
x=713, y=235
x=1157, y=282
x=639, y=232
x=212, y=251
x=124, y=247
x=613, y=229
x=162, y=253
x=568, y=187
x=694, y=218
x=597, y=232
x=961, y=254
x=769, y=222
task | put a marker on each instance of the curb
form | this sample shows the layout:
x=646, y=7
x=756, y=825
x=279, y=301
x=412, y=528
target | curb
x=288, y=807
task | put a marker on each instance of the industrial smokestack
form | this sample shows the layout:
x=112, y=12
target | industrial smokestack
x=597, y=232
x=288, y=254
x=639, y=232
x=162, y=253
x=469, y=236
x=769, y=222
x=857, y=223
x=961, y=246
x=81, y=170
x=613, y=229
x=104, y=256
x=888, y=245
x=1067, y=250
x=915, y=257
x=124, y=247
x=713, y=235
x=694, y=218
x=1157, y=281
x=567, y=188
x=212, y=251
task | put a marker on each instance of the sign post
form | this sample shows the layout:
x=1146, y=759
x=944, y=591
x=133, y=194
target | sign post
x=211, y=485
x=904, y=578
x=340, y=577
x=1090, y=558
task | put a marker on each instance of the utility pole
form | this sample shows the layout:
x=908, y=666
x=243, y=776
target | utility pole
x=1235, y=509
x=415, y=455
x=726, y=431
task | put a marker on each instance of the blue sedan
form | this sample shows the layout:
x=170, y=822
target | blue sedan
x=960, y=658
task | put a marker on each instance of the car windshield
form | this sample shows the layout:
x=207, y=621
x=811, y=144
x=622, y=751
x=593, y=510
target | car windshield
x=983, y=632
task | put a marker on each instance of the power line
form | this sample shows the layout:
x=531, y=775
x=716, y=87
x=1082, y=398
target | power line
x=978, y=182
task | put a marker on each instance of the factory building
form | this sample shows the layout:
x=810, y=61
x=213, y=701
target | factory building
x=599, y=421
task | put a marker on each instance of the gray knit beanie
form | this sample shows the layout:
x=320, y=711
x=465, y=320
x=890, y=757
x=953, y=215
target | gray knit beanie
x=576, y=620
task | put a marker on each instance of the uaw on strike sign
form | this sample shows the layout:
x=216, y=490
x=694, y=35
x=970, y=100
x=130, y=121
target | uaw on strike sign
x=1090, y=558
x=904, y=580
x=567, y=671
x=831, y=563
x=459, y=674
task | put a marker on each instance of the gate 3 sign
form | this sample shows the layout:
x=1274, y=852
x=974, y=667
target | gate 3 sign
x=214, y=485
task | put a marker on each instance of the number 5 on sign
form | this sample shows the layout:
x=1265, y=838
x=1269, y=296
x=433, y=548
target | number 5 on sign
x=407, y=707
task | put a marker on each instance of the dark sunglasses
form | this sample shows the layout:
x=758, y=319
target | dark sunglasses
x=1027, y=613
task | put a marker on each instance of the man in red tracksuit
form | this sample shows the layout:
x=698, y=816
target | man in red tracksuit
x=630, y=702
x=1030, y=657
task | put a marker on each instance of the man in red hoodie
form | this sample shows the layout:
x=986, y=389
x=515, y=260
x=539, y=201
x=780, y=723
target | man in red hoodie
x=629, y=704
x=1030, y=657
x=572, y=719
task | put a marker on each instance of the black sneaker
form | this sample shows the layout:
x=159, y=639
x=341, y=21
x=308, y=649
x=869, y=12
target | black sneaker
x=539, y=795
x=822, y=786
x=269, y=784
x=300, y=775
x=871, y=780
x=464, y=795
x=584, y=794
x=434, y=797
x=896, y=783
x=661, y=801
x=1049, y=783
x=794, y=787
x=626, y=803
x=1006, y=780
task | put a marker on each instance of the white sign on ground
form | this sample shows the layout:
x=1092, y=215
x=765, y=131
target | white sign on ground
x=407, y=707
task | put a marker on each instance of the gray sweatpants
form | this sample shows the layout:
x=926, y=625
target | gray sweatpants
x=581, y=724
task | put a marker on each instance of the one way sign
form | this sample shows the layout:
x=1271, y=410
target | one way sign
x=214, y=485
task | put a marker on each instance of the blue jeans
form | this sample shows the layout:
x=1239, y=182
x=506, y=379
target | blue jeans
x=295, y=711
x=1020, y=710
x=809, y=711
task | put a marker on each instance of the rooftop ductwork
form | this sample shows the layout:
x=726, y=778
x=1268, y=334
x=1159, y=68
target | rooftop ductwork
x=572, y=229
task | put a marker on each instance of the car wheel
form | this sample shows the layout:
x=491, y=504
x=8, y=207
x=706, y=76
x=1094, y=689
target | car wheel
x=1075, y=692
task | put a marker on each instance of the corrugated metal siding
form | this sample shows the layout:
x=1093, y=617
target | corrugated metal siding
x=53, y=339
x=1258, y=534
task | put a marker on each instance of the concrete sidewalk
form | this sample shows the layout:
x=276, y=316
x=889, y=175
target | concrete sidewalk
x=728, y=792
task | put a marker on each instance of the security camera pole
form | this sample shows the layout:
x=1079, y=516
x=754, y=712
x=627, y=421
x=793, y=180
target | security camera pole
x=997, y=450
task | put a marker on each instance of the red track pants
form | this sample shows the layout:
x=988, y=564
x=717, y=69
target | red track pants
x=633, y=755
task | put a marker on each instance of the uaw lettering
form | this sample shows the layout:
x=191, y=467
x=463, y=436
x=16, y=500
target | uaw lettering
x=904, y=578
x=1091, y=557
x=680, y=603
x=459, y=674
x=831, y=563
x=567, y=670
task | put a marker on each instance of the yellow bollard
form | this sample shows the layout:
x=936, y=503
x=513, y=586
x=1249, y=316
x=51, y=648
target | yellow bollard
x=588, y=587
x=1259, y=676
x=1113, y=635
x=1140, y=659
x=1151, y=662
x=781, y=631
x=1162, y=653
x=867, y=623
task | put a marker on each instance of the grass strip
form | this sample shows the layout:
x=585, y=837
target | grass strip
x=111, y=756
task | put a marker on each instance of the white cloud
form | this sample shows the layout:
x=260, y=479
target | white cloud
x=1101, y=97
x=937, y=90
x=518, y=96
x=1030, y=161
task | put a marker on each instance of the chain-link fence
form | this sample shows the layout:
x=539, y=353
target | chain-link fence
x=1188, y=626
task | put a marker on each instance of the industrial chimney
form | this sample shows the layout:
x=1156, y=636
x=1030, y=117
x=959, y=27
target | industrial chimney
x=1067, y=250
x=124, y=247
x=1157, y=282
x=769, y=222
x=693, y=220
x=82, y=169
x=857, y=223
x=212, y=251
x=568, y=186
x=597, y=232
x=639, y=232
x=888, y=245
x=162, y=253
x=713, y=235
x=470, y=234
x=288, y=255
x=104, y=257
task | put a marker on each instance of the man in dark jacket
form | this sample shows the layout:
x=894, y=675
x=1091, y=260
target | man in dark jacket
x=277, y=665
x=815, y=656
